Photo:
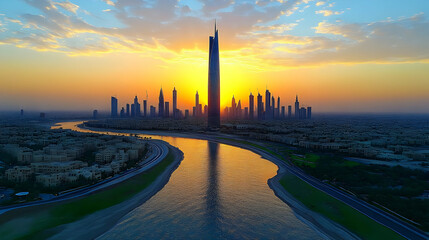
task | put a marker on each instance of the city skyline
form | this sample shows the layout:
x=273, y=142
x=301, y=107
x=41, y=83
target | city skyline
x=312, y=48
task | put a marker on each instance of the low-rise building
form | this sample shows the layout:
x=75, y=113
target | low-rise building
x=18, y=174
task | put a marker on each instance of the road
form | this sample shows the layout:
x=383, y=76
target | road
x=399, y=226
x=159, y=152
x=404, y=229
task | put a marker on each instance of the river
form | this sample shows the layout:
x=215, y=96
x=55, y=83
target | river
x=218, y=192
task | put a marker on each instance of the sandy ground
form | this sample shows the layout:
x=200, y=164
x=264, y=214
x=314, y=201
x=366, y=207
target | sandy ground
x=100, y=222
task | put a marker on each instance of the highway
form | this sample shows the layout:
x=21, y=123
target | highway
x=402, y=228
x=159, y=152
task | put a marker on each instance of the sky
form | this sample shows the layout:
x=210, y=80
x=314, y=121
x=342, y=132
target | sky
x=337, y=56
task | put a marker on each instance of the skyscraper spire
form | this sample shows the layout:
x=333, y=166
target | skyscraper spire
x=214, y=82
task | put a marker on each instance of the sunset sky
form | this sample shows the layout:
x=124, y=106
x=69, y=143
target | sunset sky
x=338, y=56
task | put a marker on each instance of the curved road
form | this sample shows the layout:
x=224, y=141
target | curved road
x=159, y=152
x=399, y=226
x=402, y=228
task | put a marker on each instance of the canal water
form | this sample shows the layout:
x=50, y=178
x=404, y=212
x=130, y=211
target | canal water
x=217, y=192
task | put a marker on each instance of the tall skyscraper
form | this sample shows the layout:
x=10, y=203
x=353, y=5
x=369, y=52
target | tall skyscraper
x=144, y=108
x=251, y=106
x=278, y=108
x=308, y=112
x=289, y=111
x=273, y=109
x=133, y=110
x=238, y=111
x=174, y=103
x=233, y=108
x=283, y=112
x=167, y=109
x=260, y=107
x=136, y=107
x=161, y=104
x=114, y=107
x=267, y=104
x=214, y=82
x=128, y=110
x=197, y=102
x=303, y=113
x=296, y=107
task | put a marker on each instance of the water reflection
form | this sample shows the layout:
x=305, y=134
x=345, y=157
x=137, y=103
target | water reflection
x=213, y=210
x=218, y=192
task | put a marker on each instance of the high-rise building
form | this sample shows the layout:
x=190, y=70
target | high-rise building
x=206, y=110
x=22, y=112
x=238, y=111
x=197, y=103
x=144, y=108
x=296, y=107
x=273, y=109
x=128, y=110
x=233, y=112
x=161, y=104
x=200, y=110
x=308, y=112
x=133, y=110
x=114, y=107
x=246, y=112
x=302, y=113
x=187, y=113
x=251, y=106
x=167, y=109
x=214, y=82
x=260, y=107
x=136, y=107
x=122, y=113
x=283, y=112
x=175, y=103
x=94, y=114
x=267, y=104
x=152, y=111
x=289, y=111
x=278, y=108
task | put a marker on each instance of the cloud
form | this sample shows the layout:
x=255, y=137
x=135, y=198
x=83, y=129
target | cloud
x=109, y=2
x=327, y=13
x=258, y=34
x=320, y=3
x=353, y=31
x=66, y=5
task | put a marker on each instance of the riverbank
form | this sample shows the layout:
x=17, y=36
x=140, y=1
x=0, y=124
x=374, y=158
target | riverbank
x=46, y=221
x=109, y=217
x=324, y=226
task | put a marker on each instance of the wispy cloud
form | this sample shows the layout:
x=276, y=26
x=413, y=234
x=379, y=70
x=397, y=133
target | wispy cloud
x=167, y=29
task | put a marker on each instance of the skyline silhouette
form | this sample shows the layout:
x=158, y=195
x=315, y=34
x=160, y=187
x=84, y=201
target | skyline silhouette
x=336, y=61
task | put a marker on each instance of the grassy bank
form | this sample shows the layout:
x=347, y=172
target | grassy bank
x=36, y=222
x=254, y=145
x=336, y=210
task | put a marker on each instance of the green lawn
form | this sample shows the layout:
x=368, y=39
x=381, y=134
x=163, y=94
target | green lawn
x=255, y=145
x=309, y=159
x=336, y=210
x=34, y=223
